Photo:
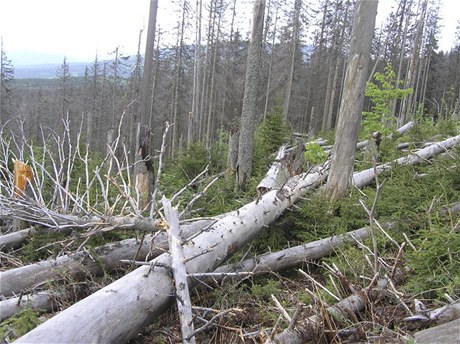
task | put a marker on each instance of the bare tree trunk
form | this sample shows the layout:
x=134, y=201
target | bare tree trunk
x=295, y=41
x=196, y=76
x=343, y=154
x=144, y=171
x=249, y=113
x=119, y=311
x=408, y=102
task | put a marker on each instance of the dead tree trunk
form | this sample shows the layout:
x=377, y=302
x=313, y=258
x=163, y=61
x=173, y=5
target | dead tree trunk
x=24, y=278
x=119, y=311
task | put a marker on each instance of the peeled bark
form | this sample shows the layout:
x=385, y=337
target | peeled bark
x=288, y=163
x=367, y=176
x=294, y=256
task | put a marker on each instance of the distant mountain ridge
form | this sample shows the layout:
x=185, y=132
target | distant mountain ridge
x=48, y=70
x=39, y=65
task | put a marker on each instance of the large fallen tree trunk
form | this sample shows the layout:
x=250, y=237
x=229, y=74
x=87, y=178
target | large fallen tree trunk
x=367, y=176
x=120, y=310
x=293, y=256
x=143, y=294
x=105, y=258
x=261, y=264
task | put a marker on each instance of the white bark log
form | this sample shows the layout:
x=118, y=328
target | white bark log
x=288, y=163
x=120, y=310
x=184, y=305
x=296, y=255
x=43, y=301
x=28, y=277
x=14, y=240
x=365, y=177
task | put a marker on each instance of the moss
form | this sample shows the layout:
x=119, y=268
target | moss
x=19, y=324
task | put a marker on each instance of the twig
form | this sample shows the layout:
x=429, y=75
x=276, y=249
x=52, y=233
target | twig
x=281, y=309
x=318, y=284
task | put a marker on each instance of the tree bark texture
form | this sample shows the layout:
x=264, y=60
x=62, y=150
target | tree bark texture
x=343, y=154
x=249, y=115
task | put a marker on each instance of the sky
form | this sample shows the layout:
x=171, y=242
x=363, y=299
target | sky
x=78, y=29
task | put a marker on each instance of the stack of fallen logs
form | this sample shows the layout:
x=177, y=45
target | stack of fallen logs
x=123, y=308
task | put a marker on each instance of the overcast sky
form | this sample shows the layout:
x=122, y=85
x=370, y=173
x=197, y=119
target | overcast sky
x=80, y=28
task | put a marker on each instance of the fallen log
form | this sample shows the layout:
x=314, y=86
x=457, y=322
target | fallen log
x=367, y=176
x=293, y=256
x=143, y=294
x=120, y=310
x=42, y=301
x=288, y=163
x=105, y=258
x=14, y=240
x=284, y=259
x=305, y=329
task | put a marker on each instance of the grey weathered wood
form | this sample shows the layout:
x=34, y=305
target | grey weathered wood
x=119, y=311
x=184, y=305
x=367, y=176
x=442, y=334
x=28, y=277
x=293, y=256
x=43, y=301
x=351, y=106
x=288, y=162
x=249, y=114
x=14, y=240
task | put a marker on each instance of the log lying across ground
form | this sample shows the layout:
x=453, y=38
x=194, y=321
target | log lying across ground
x=261, y=264
x=105, y=258
x=14, y=240
x=120, y=310
x=43, y=301
x=293, y=256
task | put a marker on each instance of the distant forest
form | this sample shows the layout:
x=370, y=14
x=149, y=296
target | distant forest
x=198, y=82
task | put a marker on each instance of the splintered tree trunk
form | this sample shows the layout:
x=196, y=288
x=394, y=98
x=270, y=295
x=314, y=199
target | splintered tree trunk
x=343, y=154
x=251, y=86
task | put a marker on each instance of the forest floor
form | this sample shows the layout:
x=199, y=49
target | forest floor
x=419, y=255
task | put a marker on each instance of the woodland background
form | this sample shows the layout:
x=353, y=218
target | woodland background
x=199, y=87
x=80, y=136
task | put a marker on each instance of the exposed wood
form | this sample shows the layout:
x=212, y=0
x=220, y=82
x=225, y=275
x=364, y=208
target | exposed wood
x=288, y=163
x=441, y=334
x=184, y=305
x=366, y=176
x=296, y=255
x=105, y=258
x=42, y=301
x=120, y=310
x=14, y=240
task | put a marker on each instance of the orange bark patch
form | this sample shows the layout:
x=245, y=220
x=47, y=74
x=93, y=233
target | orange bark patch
x=22, y=174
